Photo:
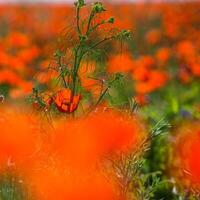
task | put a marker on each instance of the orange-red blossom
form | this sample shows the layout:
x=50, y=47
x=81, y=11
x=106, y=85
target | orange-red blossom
x=65, y=101
x=67, y=166
x=189, y=153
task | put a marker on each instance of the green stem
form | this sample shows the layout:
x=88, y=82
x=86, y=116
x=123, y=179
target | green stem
x=94, y=27
x=78, y=19
x=78, y=58
x=99, y=100
x=62, y=72
x=101, y=97
x=89, y=22
x=76, y=73
x=98, y=43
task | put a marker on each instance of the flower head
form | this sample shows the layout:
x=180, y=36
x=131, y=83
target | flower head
x=66, y=102
x=188, y=154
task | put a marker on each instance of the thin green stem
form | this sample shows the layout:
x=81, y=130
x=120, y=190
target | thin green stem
x=99, y=100
x=89, y=22
x=78, y=57
x=98, y=43
x=78, y=19
x=76, y=74
x=62, y=72
x=101, y=97
x=94, y=27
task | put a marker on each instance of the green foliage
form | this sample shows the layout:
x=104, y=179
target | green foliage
x=13, y=188
x=159, y=128
x=4, y=89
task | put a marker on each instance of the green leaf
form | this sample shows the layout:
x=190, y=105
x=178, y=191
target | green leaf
x=159, y=128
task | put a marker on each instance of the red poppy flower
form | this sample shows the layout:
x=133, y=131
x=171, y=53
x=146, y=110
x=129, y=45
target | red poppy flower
x=66, y=102
x=187, y=154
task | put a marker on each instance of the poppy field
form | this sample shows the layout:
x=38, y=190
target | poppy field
x=100, y=101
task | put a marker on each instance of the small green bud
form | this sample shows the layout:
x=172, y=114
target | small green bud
x=111, y=20
x=124, y=34
x=80, y=3
x=98, y=7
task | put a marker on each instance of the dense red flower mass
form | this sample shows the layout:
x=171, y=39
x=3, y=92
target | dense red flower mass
x=99, y=134
x=77, y=147
x=58, y=184
x=66, y=163
x=25, y=45
x=74, y=65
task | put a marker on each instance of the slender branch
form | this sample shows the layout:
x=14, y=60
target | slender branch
x=94, y=27
x=98, y=43
x=62, y=71
x=78, y=19
x=102, y=96
x=92, y=14
x=78, y=58
x=76, y=72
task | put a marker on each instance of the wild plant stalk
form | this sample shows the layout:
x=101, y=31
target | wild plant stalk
x=127, y=168
x=85, y=45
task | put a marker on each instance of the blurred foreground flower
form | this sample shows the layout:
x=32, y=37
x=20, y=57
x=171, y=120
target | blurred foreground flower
x=187, y=155
x=68, y=161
